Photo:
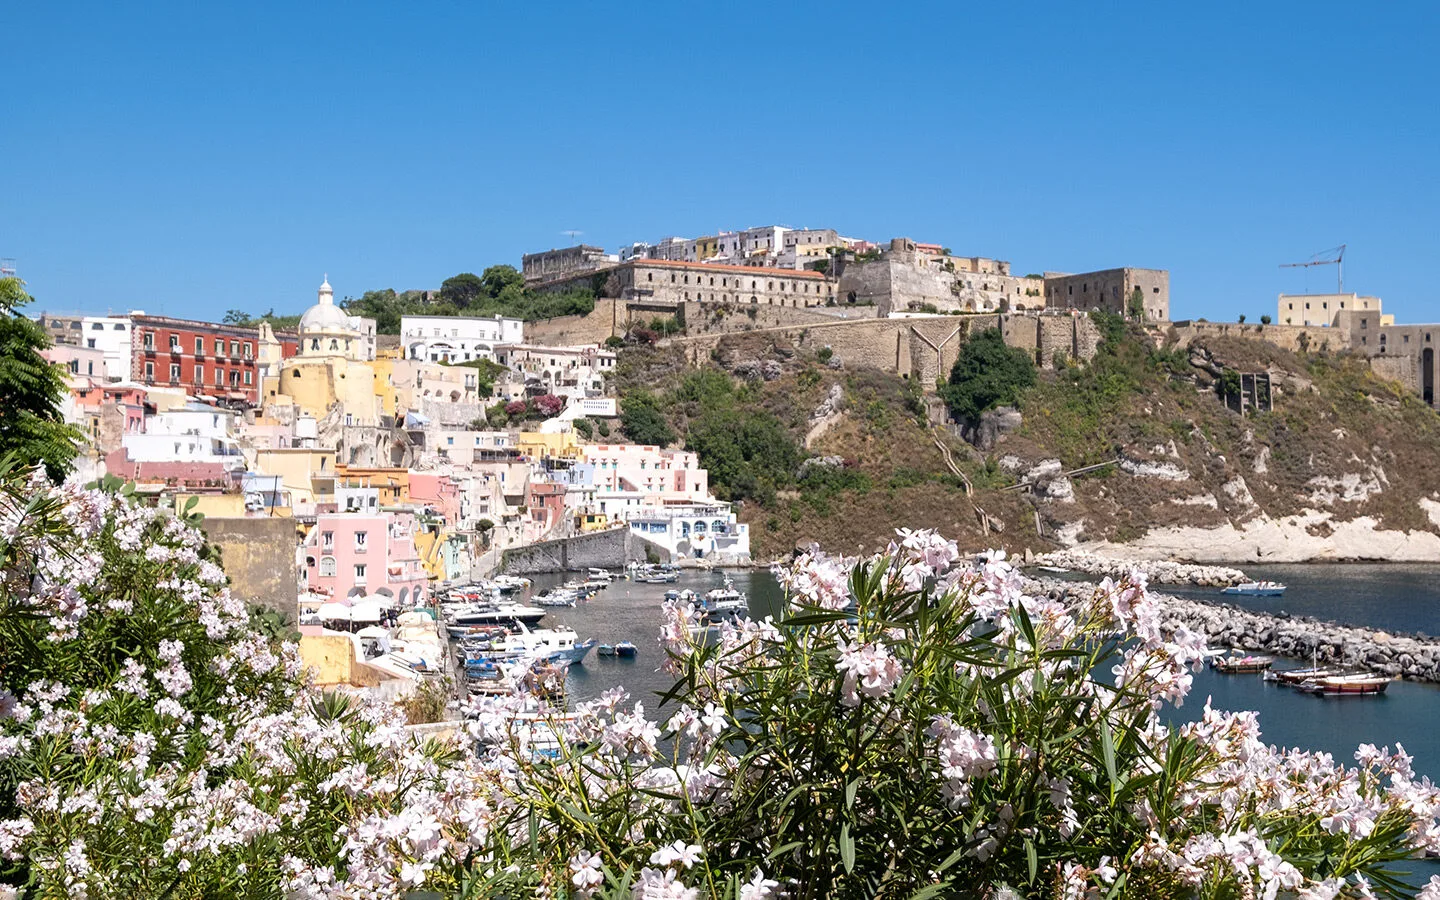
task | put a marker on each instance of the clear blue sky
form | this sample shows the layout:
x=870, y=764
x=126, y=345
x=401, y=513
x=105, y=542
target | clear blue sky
x=190, y=158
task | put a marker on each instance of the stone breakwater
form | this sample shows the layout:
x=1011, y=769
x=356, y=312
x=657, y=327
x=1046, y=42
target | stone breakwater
x=1415, y=657
x=1158, y=571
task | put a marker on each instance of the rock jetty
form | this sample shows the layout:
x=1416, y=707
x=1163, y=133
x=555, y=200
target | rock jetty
x=1414, y=657
x=1159, y=571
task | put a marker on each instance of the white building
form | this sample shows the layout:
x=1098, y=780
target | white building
x=326, y=330
x=766, y=241
x=637, y=250
x=702, y=531
x=563, y=371
x=673, y=248
x=195, y=432
x=457, y=339
x=111, y=336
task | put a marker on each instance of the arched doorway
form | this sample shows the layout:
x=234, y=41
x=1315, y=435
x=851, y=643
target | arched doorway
x=1427, y=375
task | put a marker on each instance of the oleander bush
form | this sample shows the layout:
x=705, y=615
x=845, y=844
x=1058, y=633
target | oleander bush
x=917, y=726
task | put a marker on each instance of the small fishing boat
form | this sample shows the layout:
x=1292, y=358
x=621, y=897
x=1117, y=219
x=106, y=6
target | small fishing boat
x=1347, y=685
x=626, y=650
x=1241, y=664
x=672, y=594
x=599, y=575
x=605, y=650
x=1256, y=589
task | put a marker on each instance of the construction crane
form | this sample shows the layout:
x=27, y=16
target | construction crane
x=1335, y=256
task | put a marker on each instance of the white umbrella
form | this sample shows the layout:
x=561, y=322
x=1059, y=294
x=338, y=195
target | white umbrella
x=365, y=610
x=334, y=612
x=373, y=631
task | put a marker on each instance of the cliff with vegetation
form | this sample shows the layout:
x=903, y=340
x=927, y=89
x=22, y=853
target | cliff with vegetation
x=1341, y=466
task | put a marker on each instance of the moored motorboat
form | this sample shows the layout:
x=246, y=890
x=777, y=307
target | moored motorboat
x=725, y=599
x=1256, y=589
x=492, y=614
x=1241, y=664
x=626, y=650
x=605, y=650
x=555, y=597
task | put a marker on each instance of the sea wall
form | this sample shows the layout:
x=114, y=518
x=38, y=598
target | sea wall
x=602, y=549
x=1415, y=657
x=1158, y=571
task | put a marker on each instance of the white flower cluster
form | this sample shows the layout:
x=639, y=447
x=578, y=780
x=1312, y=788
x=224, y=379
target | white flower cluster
x=196, y=749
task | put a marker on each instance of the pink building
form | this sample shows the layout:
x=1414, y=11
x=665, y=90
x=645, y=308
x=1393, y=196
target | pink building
x=669, y=476
x=353, y=554
x=437, y=491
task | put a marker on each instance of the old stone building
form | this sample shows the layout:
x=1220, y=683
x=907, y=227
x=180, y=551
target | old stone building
x=1405, y=353
x=669, y=282
x=552, y=264
x=910, y=277
x=664, y=285
x=1113, y=290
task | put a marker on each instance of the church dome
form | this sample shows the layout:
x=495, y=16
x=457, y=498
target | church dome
x=325, y=315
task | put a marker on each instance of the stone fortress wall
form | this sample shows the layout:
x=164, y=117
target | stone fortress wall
x=923, y=348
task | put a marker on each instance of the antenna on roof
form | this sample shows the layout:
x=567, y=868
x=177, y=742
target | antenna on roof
x=572, y=233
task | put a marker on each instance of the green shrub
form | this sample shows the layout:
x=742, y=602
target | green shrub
x=987, y=374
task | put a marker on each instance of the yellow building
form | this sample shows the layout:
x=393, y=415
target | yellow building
x=393, y=484
x=334, y=365
x=591, y=522
x=538, y=445
x=307, y=474
x=706, y=247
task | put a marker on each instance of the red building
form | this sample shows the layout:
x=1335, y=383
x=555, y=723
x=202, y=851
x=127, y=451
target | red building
x=216, y=360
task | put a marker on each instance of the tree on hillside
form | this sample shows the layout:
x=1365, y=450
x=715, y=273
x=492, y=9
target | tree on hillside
x=987, y=374
x=384, y=306
x=463, y=290
x=642, y=421
x=31, y=390
x=1137, y=304
x=497, y=279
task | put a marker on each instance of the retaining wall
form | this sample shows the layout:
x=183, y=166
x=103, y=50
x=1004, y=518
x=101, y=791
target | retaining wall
x=604, y=550
x=922, y=348
x=258, y=553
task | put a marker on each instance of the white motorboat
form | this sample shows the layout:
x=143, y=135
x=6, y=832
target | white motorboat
x=540, y=643
x=555, y=597
x=1256, y=589
x=502, y=613
x=725, y=599
x=509, y=584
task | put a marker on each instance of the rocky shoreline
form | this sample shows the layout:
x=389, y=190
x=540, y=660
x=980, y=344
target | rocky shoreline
x=1158, y=571
x=1415, y=657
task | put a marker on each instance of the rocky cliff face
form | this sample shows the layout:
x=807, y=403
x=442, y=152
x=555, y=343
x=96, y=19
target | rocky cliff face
x=1344, y=467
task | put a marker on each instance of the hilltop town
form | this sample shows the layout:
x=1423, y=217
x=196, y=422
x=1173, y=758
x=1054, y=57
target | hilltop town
x=335, y=460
